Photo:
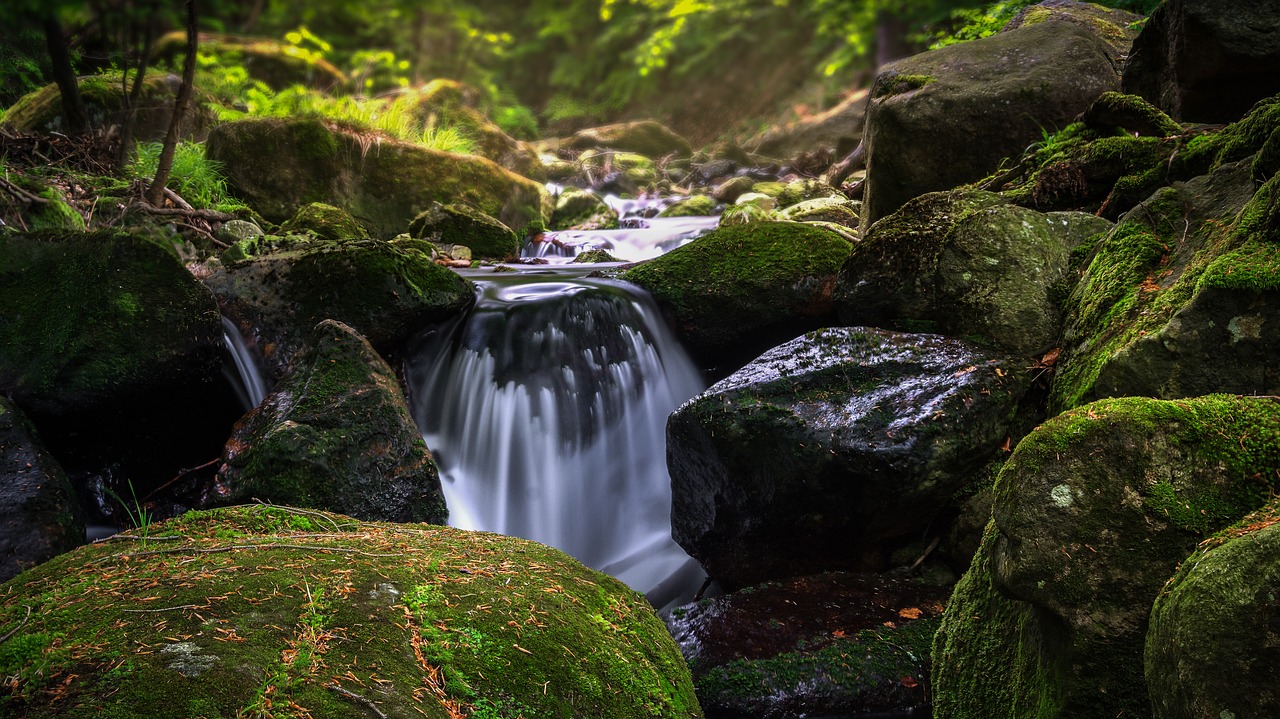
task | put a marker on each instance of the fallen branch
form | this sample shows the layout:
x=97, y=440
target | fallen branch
x=210, y=215
x=234, y=547
x=22, y=194
x=358, y=699
x=166, y=609
x=180, y=475
x=9, y=634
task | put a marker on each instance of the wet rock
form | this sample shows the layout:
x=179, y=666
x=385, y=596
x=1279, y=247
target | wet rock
x=459, y=224
x=826, y=451
x=279, y=165
x=335, y=435
x=582, y=210
x=966, y=264
x=834, y=644
x=930, y=124
x=1202, y=62
x=1092, y=514
x=386, y=291
x=403, y=618
x=592, y=256
x=326, y=222
x=1214, y=642
x=39, y=517
x=644, y=137
x=738, y=290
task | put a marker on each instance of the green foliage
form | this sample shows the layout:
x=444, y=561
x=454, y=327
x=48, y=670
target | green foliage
x=196, y=178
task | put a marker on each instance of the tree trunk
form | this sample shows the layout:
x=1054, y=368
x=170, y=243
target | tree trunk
x=155, y=194
x=891, y=38
x=63, y=74
x=134, y=92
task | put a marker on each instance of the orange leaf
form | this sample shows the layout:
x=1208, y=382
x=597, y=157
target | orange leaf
x=910, y=613
x=909, y=682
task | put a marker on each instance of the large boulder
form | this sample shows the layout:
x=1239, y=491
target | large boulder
x=103, y=96
x=463, y=225
x=385, y=291
x=1214, y=644
x=265, y=611
x=1179, y=299
x=739, y=290
x=335, y=435
x=279, y=165
x=39, y=517
x=1201, y=61
x=826, y=451
x=324, y=221
x=1092, y=514
x=966, y=264
x=835, y=644
x=950, y=116
x=644, y=137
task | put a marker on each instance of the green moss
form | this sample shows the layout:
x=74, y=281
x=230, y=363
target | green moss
x=1255, y=267
x=890, y=84
x=55, y=214
x=696, y=206
x=595, y=256
x=439, y=618
x=326, y=222
x=459, y=224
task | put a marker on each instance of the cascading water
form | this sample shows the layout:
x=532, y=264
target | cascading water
x=252, y=386
x=641, y=236
x=547, y=408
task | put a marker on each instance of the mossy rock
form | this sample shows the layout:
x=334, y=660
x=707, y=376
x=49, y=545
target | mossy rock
x=326, y=222
x=270, y=61
x=839, y=210
x=1176, y=300
x=451, y=104
x=1213, y=644
x=89, y=320
x=593, y=256
x=41, y=111
x=55, y=214
x=578, y=209
x=966, y=264
x=1093, y=512
x=1117, y=111
x=889, y=427
x=280, y=165
x=458, y=224
x=739, y=290
x=39, y=515
x=696, y=206
x=1118, y=28
x=746, y=214
x=798, y=191
x=385, y=291
x=643, y=137
x=268, y=609
x=336, y=435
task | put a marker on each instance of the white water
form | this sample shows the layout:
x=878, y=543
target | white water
x=252, y=386
x=640, y=237
x=546, y=407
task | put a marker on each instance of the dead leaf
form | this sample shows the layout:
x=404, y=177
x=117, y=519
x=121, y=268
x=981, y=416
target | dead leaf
x=910, y=613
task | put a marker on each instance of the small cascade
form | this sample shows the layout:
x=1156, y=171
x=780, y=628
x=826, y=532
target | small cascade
x=250, y=384
x=641, y=234
x=546, y=407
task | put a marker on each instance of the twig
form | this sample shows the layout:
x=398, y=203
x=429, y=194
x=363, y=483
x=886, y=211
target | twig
x=166, y=609
x=176, y=199
x=14, y=631
x=358, y=699
x=295, y=510
x=22, y=194
x=233, y=547
x=928, y=550
x=140, y=538
x=180, y=475
x=206, y=233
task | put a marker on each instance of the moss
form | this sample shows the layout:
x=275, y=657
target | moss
x=595, y=256
x=459, y=224
x=582, y=210
x=696, y=206
x=55, y=214
x=1114, y=110
x=892, y=83
x=801, y=190
x=442, y=620
x=326, y=222
x=1267, y=162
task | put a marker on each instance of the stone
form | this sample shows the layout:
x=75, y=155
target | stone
x=731, y=189
x=326, y=222
x=696, y=206
x=459, y=224
x=1200, y=61
x=39, y=516
x=839, y=128
x=448, y=103
x=279, y=165
x=233, y=231
x=839, y=210
x=41, y=111
x=830, y=450
x=582, y=210
x=948, y=117
x=330, y=616
x=643, y=137
x=966, y=264
x=336, y=435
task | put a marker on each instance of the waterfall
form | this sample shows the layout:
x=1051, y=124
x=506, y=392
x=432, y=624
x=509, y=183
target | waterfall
x=546, y=407
x=252, y=386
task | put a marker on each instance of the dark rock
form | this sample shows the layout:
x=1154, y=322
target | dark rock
x=950, y=116
x=825, y=452
x=1202, y=61
x=1214, y=644
x=1118, y=28
x=335, y=435
x=966, y=264
x=827, y=645
x=39, y=517
x=1130, y=113
x=386, y=291
x=464, y=225
x=1092, y=514
x=451, y=104
x=739, y=290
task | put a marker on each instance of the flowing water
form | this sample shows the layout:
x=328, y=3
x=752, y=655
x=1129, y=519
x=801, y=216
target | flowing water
x=250, y=385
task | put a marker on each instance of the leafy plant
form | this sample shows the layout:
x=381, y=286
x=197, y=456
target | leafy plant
x=195, y=177
x=139, y=517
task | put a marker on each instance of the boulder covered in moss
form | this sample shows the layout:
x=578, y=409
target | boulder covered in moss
x=644, y=137
x=103, y=96
x=967, y=264
x=578, y=209
x=739, y=290
x=279, y=165
x=930, y=123
x=1201, y=61
x=336, y=435
x=326, y=222
x=39, y=516
x=835, y=644
x=1092, y=514
x=1179, y=299
x=1214, y=643
x=459, y=224
x=385, y=291
x=837, y=210
x=1128, y=113
x=1118, y=28
x=445, y=103
x=90, y=320
x=274, y=63
x=827, y=451
x=695, y=206
x=257, y=610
